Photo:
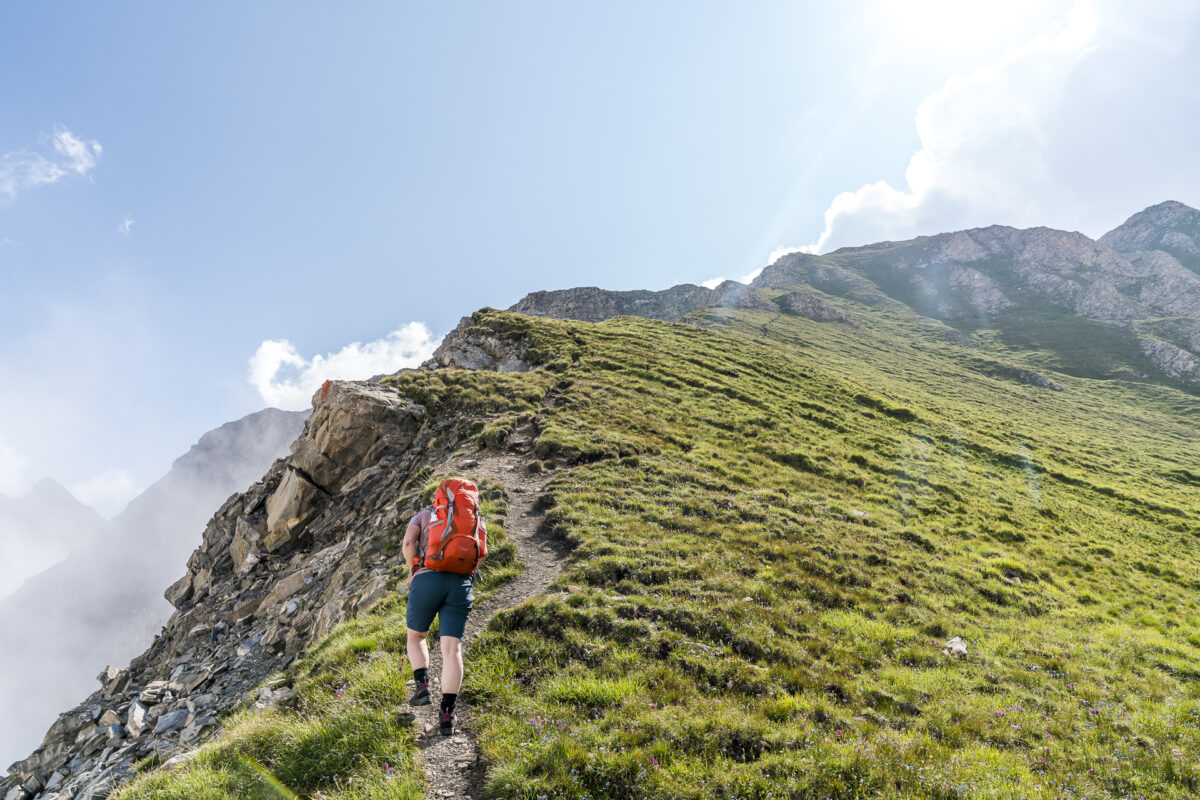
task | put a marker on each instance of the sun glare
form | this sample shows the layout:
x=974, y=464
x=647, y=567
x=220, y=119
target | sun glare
x=955, y=27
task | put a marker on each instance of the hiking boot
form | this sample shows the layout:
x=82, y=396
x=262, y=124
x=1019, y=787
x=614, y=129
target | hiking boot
x=447, y=725
x=421, y=697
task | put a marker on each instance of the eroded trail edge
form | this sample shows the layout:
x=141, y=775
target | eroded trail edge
x=452, y=763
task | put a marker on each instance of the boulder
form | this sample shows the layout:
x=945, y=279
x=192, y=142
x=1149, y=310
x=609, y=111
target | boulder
x=288, y=508
x=246, y=538
x=809, y=306
x=180, y=591
x=136, y=720
x=172, y=720
x=955, y=648
x=350, y=423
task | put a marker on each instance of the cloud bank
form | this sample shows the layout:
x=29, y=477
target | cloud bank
x=285, y=379
x=23, y=169
x=1060, y=131
x=108, y=493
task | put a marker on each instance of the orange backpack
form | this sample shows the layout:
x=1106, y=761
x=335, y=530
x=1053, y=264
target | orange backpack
x=457, y=539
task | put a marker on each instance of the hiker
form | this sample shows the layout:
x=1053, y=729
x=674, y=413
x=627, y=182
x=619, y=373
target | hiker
x=445, y=544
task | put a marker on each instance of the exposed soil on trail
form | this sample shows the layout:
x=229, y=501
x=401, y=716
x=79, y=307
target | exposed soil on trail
x=452, y=763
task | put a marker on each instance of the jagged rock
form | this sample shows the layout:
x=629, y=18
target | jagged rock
x=113, y=680
x=136, y=721
x=246, y=538
x=474, y=346
x=180, y=591
x=350, y=426
x=1173, y=360
x=731, y=294
x=591, y=304
x=374, y=592
x=172, y=720
x=194, y=730
x=17, y=793
x=288, y=509
x=805, y=304
x=232, y=627
x=287, y=587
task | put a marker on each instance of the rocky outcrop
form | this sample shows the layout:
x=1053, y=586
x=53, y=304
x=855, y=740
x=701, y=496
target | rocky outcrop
x=1001, y=277
x=1170, y=228
x=470, y=346
x=1007, y=371
x=808, y=305
x=591, y=304
x=114, y=604
x=309, y=545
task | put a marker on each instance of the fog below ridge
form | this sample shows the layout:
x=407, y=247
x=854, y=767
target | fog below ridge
x=103, y=603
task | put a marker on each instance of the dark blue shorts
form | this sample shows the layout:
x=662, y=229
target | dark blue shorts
x=445, y=594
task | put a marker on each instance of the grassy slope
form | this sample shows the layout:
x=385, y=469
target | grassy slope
x=777, y=525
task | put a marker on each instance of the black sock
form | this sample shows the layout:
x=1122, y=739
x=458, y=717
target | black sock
x=448, y=701
x=420, y=674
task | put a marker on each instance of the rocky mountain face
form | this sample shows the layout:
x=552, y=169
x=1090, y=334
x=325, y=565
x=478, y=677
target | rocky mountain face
x=312, y=543
x=1126, y=306
x=39, y=529
x=590, y=304
x=103, y=603
x=1170, y=228
x=1042, y=288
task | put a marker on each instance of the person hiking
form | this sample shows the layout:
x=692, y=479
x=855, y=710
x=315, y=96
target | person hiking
x=445, y=544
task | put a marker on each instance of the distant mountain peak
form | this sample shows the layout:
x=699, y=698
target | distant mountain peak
x=1170, y=227
x=50, y=489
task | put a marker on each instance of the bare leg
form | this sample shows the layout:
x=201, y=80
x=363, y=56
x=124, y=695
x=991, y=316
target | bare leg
x=452, y=665
x=418, y=649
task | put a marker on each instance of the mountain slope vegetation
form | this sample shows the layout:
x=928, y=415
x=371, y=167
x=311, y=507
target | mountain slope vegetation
x=777, y=524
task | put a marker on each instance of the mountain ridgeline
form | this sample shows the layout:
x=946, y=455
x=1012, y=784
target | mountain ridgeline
x=916, y=519
x=1126, y=306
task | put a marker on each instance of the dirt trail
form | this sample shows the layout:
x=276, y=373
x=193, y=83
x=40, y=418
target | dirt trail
x=452, y=763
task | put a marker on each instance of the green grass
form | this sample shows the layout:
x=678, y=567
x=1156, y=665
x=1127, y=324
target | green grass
x=775, y=535
x=341, y=735
x=776, y=525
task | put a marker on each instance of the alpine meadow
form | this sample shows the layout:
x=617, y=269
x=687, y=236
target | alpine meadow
x=732, y=552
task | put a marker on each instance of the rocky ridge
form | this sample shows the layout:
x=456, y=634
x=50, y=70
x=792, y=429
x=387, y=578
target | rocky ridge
x=590, y=304
x=115, y=603
x=314, y=542
x=1140, y=282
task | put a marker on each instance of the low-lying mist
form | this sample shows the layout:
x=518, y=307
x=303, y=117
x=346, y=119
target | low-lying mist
x=103, y=604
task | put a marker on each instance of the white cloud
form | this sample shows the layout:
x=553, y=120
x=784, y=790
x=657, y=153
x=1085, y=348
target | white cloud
x=1077, y=128
x=13, y=479
x=81, y=156
x=713, y=283
x=284, y=379
x=22, y=169
x=126, y=227
x=108, y=492
x=983, y=147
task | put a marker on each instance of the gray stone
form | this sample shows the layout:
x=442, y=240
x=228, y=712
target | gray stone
x=955, y=648
x=170, y=721
x=136, y=720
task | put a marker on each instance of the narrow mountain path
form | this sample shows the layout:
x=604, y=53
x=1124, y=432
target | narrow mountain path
x=452, y=763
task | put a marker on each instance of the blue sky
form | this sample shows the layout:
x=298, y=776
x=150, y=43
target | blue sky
x=184, y=186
